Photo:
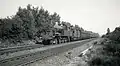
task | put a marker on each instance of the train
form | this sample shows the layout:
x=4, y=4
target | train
x=62, y=34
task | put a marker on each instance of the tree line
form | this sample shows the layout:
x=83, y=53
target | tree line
x=27, y=23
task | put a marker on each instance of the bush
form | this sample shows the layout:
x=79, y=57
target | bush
x=104, y=61
x=112, y=49
x=115, y=35
x=110, y=57
x=95, y=61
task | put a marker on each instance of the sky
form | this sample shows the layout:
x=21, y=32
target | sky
x=92, y=15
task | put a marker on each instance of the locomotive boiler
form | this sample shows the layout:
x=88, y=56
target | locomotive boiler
x=63, y=33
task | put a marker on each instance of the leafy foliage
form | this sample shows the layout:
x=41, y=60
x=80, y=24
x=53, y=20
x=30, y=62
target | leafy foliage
x=104, y=61
x=109, y=55
x=115, y=35
x=27, y=23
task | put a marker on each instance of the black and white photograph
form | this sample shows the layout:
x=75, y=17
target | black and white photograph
x=59, y=32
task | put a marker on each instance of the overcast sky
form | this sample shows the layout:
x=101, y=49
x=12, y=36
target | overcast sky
x=93, y=15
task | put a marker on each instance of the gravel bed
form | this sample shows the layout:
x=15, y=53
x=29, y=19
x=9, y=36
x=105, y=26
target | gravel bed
x=69, y=58
x=10, y=55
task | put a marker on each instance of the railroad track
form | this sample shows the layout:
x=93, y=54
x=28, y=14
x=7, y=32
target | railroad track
x=19, y=48
x=41, y=54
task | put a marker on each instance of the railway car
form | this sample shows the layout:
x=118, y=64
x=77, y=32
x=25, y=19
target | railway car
x=62, y=34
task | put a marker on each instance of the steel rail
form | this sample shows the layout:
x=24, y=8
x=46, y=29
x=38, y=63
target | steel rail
x=48, y=51
x=18, y=48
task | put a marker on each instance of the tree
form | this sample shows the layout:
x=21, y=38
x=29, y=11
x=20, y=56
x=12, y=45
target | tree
x=108, y=31
x=26, y=15
x=27, y=23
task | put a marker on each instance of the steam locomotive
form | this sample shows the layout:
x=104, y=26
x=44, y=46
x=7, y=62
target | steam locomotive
x=62, y=34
